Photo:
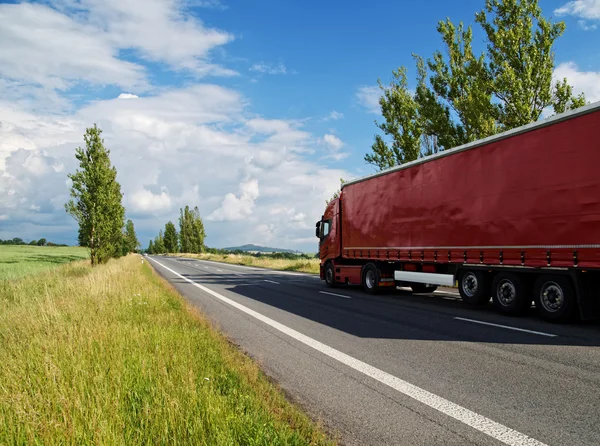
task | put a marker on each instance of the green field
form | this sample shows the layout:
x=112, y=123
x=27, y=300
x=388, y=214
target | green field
x=19, y=261
x=114, y=355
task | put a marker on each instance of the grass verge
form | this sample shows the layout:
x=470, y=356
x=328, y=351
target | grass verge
x=20, y=261
x=114, y=355
x=303, y=265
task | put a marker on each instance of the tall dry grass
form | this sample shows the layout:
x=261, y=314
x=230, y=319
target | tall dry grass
x=301, y=265
x=113, y=356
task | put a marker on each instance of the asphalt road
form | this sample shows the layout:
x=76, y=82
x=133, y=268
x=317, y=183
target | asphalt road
x=398, y=369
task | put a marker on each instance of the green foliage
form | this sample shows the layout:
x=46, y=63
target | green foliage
x=461, y=97
x=191, y=230
x=33, y=243
x=41, y=242
x=171, y=240
x=159, y=243
x=131, y=242
x=96, y=203
x=150, y=249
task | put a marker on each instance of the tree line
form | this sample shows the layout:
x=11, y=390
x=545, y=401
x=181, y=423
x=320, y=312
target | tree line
x=20, y=241
x=461, y=96
x=189, y=239
x=96, y=203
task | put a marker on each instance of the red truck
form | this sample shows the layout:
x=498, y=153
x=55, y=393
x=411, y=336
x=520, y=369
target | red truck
x=514, y=217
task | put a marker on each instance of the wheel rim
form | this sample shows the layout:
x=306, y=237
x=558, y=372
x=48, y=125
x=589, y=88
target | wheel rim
x=552, y=297
x=329, y=275
x=470, y=284
x=370, y=279
x=506, y=292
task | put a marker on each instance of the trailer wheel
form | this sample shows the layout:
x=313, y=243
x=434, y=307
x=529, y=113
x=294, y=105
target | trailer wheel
x=474, y=288
x=330, y=275
x=509, y=294
x=423, y=289
x=554, y=298
x=370, y=279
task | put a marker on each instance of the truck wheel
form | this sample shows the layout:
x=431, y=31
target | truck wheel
x=473, y=287
x=330, y=275
x=423, y=289
x=370, y=279
x=554, y=298
x=509, y=294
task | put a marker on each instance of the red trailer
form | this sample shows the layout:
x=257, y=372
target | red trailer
x=514, y=217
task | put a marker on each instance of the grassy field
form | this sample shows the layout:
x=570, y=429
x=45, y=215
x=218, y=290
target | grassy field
x=114, y=355
x=20, y=261
x=302, y=265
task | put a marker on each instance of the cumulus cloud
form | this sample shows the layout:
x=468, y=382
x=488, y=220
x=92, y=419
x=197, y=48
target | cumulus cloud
x=81, y=41
x=333, y=142
x=587, y=82
x=586, y=9
x=237, y=208
x=198, y=144
x=368, y=97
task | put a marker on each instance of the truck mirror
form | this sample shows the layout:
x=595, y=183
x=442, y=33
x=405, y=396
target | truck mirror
x=318, y=229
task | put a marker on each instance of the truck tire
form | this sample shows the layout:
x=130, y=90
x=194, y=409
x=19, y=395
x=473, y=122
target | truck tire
x=330, y=275
x=510, y=294
x=423, y=289
x=370, y=279
x=555, y=299
x=474, y=288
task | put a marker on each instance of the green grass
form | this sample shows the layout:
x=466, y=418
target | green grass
x=302, y=265
x=114, y=355
x=20, y=261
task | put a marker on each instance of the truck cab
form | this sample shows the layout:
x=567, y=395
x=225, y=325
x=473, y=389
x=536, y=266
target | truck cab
x=327, y=230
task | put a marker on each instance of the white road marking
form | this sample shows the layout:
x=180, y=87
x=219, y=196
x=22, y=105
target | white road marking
x=334, y=294
x=476, y=421
x=219, y=270
x=508, y=327
x=238, y=274
x=271, y=281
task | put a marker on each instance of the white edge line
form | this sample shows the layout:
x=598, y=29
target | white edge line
x=476, y=421
x=271, y=281
x=334, y=294
x=508, y=327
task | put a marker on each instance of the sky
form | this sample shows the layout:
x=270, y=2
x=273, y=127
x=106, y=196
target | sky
x=251, y=110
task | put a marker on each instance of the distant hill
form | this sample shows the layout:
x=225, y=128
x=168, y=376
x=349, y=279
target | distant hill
x=255, y=248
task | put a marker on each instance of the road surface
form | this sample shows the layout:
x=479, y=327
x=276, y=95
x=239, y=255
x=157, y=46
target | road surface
x=399, y=369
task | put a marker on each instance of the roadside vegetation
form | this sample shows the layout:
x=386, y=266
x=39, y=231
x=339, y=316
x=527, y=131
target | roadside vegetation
x=18, y=261
x=305, y=264
x=112, y=354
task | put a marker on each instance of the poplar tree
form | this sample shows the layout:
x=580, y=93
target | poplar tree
x=96, y=202
x=131, y=242
x=170, y=238
x=461, y=97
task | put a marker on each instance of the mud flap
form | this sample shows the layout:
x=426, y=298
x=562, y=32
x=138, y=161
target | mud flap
x=587, y=289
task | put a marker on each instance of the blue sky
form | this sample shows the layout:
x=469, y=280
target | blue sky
x=251, y=110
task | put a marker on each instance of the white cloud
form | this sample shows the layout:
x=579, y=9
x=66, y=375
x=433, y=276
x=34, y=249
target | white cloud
x=128, y=96
x=268, y=68
x=587, y=82
x=172, y=146
x=82, y=41
x=586, y=9
x=586, y=26
x=237, y=208
x=368, y=97
x=60, y=51
x=333, y=142
x=334, y=116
